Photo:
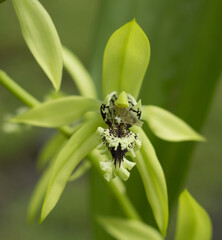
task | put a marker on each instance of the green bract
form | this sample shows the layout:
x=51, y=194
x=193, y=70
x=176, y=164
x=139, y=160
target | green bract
x=125, y=62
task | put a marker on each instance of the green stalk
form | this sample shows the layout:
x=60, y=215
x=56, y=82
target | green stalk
x=17, y=91
x=30, y=101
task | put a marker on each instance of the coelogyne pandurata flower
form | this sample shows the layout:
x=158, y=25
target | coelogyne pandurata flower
x=119, y=113
x=114, y=127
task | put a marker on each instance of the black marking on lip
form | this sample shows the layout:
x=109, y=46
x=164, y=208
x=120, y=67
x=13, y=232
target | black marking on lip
x=118, y=154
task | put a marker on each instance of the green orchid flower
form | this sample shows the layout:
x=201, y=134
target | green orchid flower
x=105, y=132
x=125, y=61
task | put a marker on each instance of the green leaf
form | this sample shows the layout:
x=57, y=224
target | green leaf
x=125, y=61
x=153, y=179
x=125, y=229
x=41, y=37
x=50, y=148
x=78, y=146
x=193, y=222
x=83, y=168
x=79, y=74
x=58, y=112
x=167, y=126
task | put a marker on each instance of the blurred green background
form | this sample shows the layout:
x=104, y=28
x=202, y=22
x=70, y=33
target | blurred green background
x=184, y=76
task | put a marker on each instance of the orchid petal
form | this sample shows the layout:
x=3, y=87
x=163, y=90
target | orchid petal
x=167, y=126
x=78, y=146
x=126, y=59
x=153, y=179
x=58, y=112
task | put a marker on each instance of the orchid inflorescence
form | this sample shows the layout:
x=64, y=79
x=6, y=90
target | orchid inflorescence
x=107, y=132
x=114, y=125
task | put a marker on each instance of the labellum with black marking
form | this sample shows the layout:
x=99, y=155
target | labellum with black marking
x=120, y=113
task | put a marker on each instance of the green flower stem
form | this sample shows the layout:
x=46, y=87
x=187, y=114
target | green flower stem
x=26, y=98
x=124, y=201
x=30, y=101
x=17, y=91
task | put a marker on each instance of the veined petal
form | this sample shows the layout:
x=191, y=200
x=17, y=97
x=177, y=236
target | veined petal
x=125, y=61
x=153, y=179
x=58, y=112
x=167, y=126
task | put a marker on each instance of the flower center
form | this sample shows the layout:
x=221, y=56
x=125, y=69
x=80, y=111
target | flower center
x=120, y=113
